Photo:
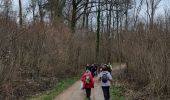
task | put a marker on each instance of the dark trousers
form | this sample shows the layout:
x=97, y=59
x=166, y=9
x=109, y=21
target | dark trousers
x=106, y=92
x=88, y=93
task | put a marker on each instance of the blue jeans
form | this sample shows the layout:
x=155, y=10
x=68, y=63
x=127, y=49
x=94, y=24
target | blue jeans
x=106, y=92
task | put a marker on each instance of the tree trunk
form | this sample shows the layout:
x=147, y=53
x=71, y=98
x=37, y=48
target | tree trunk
x=40, y=11
x=126, y=20
x=33, y=14
x=85, y=17
x=107, y=19
x=117, y=17
x=73, y=20
x=87, y=21
x=110, y=18
x=20, y=13
x=98, y=33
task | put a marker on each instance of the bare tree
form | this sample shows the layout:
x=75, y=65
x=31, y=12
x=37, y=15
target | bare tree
x=137, y=10
x=33, y=6
x=20, y=13
x=98, y=30
x=55, y=7
x=41, y=12
x=7, y=5
x=151, y=9
x=127, y=6
x=74, y=14
x=85, y=16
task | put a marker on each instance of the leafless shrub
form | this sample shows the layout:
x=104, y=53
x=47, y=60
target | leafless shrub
x=40, y=50
x=147, y=56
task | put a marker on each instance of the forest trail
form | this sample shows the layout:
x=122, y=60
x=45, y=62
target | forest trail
x=74, y=92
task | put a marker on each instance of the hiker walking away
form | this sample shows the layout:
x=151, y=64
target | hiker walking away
x=105, y=78
x=109, y=66
x=88, y=83
x=88, y=66
x=97, y=69
x=93, y=69
x=100, y=69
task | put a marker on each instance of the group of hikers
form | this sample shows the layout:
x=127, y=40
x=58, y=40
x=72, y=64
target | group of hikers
x=103, y=73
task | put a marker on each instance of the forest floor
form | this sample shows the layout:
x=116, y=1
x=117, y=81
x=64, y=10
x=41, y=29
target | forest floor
x=75, y=93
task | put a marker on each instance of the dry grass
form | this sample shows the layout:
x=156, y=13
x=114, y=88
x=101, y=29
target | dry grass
x=38, y=52
x=147, y=56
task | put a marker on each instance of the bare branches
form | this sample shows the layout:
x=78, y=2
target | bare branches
x=151, y=9
x=137, y=11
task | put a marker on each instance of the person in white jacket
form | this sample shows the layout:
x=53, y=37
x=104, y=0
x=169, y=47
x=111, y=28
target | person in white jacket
x=105, y=79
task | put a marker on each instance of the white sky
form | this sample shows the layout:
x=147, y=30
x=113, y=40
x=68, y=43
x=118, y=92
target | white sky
x=162, y=6
x=25, y=3
x=160, y=10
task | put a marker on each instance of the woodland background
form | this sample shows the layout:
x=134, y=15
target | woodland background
x=53, y=37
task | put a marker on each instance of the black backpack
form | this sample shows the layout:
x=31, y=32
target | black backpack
x=105, y=78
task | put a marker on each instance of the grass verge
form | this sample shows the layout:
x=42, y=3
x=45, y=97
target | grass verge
x=60, y=87
x=117, y=92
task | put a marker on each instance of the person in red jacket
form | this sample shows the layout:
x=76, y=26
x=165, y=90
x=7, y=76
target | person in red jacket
x=88, y=83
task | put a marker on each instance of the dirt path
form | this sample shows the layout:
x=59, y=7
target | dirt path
x=97, y=93
x=74, y=92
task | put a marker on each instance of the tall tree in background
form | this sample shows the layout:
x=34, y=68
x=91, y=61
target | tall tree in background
x=20, y=13
x=127, y=6
x=6, y=8
x=98, y=31
x=137, y=10
x=110, y=18
x=85, y=14
x=74, y=14
x=55, y=7
x=117, y=16
x=151, y=9
x=41, y=13
x=33, y=6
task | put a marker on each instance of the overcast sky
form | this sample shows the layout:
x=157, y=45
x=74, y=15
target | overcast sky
x=24, y=2
x=164, y=4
